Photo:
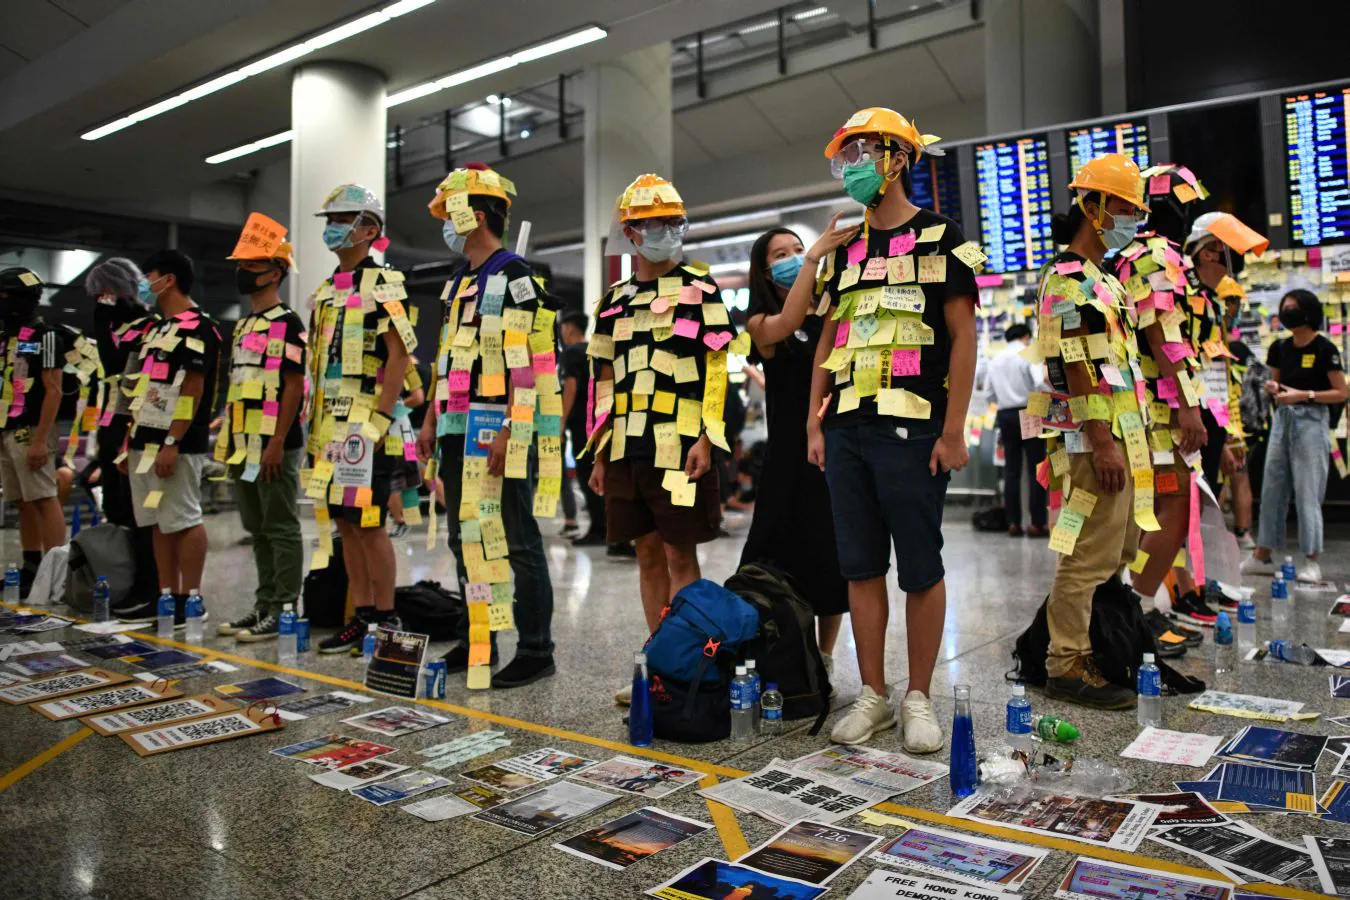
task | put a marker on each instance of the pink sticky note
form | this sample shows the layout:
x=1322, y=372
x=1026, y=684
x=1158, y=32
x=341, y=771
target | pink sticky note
x=1163, y=301
x=1175, y=351
x=522, y=378
x=1069, y=267
x=25, y=333
x=841, y=335
x=459, y=402
x=148, y=365
x=160, y=371
x=254, y=342
x=409, y=451
x=612, y=311
x=106, y=419
x=353, y=300
x=716, y=340
x=857, y=251
x=686, y=327
x=704, y=286
x=876, y=268
x=902, y=244
x=1220, y=410
x=661, y=304
x=277, y=330
x=272, y=363
x=544, y=362
x=458, y=381
x=1187, y=175
x=349, y=495
x=271, y=408
x=1167, y=388
x=688, y=294
x=1159, y=184
x=342, y=281
x=904, y=362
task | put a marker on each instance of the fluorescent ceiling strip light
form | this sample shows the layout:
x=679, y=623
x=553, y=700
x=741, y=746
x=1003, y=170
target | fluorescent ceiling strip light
x=272, y=61
x=751, y=29
x=810, y=13
x=246, y=149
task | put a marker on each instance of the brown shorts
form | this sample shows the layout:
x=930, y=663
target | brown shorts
x=636, y=505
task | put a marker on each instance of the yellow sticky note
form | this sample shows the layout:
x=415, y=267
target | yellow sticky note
x=184, y=408
x=663, y=402
x=152, y=499
x=1140, y=560
x=932, y=233
x=370, y=517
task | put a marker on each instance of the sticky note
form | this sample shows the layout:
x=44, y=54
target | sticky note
x=902, y=243
x=152, y=499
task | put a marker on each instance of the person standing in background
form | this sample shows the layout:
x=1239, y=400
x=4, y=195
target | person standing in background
x=409, y=472
x=1012, y=378
x=1254, y=406
x=792, y=527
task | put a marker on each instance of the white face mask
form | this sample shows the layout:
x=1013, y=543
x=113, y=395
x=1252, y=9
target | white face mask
x=660, y=245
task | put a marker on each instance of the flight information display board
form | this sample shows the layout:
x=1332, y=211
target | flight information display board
x=1317, y=153
x=937, y=186
x=1128, y=137
x=1015, y=209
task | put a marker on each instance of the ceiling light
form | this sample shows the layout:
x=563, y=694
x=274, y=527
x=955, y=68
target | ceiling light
x=811, y=13
x=524, y=134
x=493, y=99
x=567, y=42
x=271, y=61
x=255, y=146
x=751, y=29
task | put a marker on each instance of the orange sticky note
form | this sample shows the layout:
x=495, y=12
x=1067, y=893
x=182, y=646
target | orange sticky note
x=261, y=237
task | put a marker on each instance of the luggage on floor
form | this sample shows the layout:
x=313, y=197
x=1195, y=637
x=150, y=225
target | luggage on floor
x=325, y=592
x=102, y=550
x=428, y=608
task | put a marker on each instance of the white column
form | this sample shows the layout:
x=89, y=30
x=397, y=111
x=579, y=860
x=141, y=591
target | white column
x=339, y=124
x=1042, y=63
x=628, y=132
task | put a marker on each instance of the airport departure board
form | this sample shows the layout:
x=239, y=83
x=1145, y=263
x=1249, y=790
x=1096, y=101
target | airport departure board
x=937, y=186
x=1317, y=153
x=1128, y=137
x=1015, y=209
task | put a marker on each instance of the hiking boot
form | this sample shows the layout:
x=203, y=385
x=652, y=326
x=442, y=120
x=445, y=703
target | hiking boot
x=1085, y=686
x=923, y=734
x=869, y=714
x=265, y=629
x=1190, y=608
x=1171, y=644
x=243, y=623
x=524, y=670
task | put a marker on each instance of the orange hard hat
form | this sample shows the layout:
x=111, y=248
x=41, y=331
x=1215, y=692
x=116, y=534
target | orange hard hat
x=1114, y=174
x=880, y=120
x=649, y=197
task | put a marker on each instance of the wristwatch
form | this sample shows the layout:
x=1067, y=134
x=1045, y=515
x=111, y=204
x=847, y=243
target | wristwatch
x=1312, y=396
x=170, y=440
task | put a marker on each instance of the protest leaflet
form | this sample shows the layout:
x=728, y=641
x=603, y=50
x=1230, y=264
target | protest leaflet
x=871, y=768
x=334, y=751
x=546, y=762
x=1246, y=706
x=1290, y=790
x=357, y=774
x=322, y=705
x=397, y=663
x=125, y=647
x=1239, y=850
x=809, y=852
x=1336, y=802
x=713, y=879
x=884, y=885
x=975, y=860
x=409, y=784
x=461, y=750
x=35, y=665
x=440, y=808
x=1118, y=824
x=259, y=689
x=494, y=776
x=630, y=839
x=1331, y=860
x=547, y=808
x=59, y=685
x=479, y=795
x=783, y=794
x=639, y=776
x=1275, y=745
x=1096, y=879
x=127, y=695
x=396, y=721
x=1178, y=748
x=1181, y=808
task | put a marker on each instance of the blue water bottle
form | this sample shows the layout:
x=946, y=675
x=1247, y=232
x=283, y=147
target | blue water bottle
x=368, y=643
x=640, y=707
x=963, y=763
x=1287, y=570
x=12, y=584
x=102, y=600
x=287, y=639
x=164, y=612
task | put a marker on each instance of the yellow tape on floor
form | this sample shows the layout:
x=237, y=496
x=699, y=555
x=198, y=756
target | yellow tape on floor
x=728, y=829
x=18, y=773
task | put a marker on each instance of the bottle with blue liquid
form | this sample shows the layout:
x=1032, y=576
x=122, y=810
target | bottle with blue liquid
x=164, y=613
x=102, y=600
x=1279, y=606
x=1287, y=570
x=640, y=707
x=963, y=762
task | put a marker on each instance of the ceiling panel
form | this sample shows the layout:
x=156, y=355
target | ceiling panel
x=688, y=153
x=9, y=61
x=902, y=79
x=725, y=128
x=32, y=27
x=799, y=107
x=90, y=11
x=961, y=58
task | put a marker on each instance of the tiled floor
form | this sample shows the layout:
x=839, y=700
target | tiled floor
x=232, y=821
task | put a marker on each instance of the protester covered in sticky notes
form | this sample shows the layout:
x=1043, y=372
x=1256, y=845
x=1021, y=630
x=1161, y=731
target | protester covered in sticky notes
x=1099, y=469
x=360, y=338
x=496, y=426
x=262, y=440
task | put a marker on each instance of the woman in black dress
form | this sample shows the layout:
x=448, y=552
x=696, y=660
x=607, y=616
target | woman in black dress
x=793, y=527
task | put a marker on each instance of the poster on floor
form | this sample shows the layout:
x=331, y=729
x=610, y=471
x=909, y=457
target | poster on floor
x=884, y=885
x=1331, y=860
x=357, y=774
x=639, y=776
x=872, y=768
x=1336, y=801
x=1117, y=824
x=1097, y=879
x=547, y=808
x=23, y=648
x=1292, y=749
x=1180, y=808
x=397, y=664
x=782, y=794
x=334, y=751
x=35, y=665
x=183, y=671
x=324, y=704
x=630, y=839
x=209, y=730
x=259, y=689
x=8, y=678
x=160, y=714
x=713, y=879
x=480, y=795
x=1246, y=706
x=462, y=749
x=439, y=808
x=1239, y=849
x=105, y=701
x=494, y=776
x=1290, y=790
x=547, y=762
x=401, y=787
x=159, y=659
x=964, y=857
x=59, y=685
x=120, y=649
x=809, y=852
x=1178, y=748
x=396, y=721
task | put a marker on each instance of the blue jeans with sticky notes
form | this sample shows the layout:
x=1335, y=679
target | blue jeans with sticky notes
x=882, y=495
x=1298, y=456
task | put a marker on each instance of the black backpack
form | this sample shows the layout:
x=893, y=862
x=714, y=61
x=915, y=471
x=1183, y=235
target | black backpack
x=1120, y=637
x=785, y=650
x=428, y=608
x=995, y=518
x=325, y=592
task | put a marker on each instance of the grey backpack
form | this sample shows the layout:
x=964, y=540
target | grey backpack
x=102, y=550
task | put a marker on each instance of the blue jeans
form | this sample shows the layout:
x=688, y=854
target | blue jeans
x=525, y=550
x=1298, y=455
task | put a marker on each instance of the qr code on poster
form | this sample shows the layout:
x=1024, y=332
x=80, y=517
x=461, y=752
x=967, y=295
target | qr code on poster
x=68, y=683
x=214, y=728
x=168, y=712
x=119, y=697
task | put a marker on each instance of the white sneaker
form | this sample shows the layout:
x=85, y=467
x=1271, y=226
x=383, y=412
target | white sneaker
x=870, y=713
x=624, y=695
x=1310, y=571
x=1253, y=566
x=922, y=732
x=1247, y=542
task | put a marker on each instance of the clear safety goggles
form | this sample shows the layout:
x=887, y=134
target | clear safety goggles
x=859, y=150
x=677, y=224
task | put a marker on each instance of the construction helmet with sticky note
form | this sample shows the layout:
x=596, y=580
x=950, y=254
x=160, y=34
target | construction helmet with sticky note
x=886, y=122
x=263, y=239
x=474, y=180
x=1229, y=287
x=1114, y=174
x=649, y=197
x=353, y=198
x=1228, y=229
x=19, y=283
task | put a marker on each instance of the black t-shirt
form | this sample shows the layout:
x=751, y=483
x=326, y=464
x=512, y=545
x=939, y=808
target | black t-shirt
x=25, y=351
x=575, y=365
x=900, y=283
x=173, y=347
x=267, y=346
x=419, y=376
x=1305, y=368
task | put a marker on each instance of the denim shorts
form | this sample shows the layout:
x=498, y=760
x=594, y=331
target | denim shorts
x=883, y=495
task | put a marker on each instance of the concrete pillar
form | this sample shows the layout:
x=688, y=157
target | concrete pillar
x=628, y=132
x=339, y=124
x=1042, y=63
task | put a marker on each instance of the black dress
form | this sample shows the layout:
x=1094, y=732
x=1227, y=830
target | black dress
x=793, y=526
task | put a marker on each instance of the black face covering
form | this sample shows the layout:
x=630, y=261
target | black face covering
x=16, y=311
x=1292, y=317
x=246, y=282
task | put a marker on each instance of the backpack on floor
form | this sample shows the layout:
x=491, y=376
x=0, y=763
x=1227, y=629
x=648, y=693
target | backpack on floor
x=428, y=608
x=102, y=550
x=995, y=518
x=1120, y=637
x=785, y=650
x=702, y=634
x=325, y=592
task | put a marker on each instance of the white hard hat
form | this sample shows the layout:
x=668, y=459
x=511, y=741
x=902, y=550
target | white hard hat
x=1200, y=227
x=348, y=198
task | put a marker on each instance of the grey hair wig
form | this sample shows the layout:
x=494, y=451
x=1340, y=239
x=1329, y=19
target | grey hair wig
x=117, y=276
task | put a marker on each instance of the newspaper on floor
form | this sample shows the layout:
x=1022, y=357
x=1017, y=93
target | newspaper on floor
x=357, y=774
x=1240, y=850
x=1117, y=824
x=1247, y=706
x=1331, y=860
x=783, y=794
x=965, y=857
x=1178, y=748
x=1098, y=879
x=872, y=768
x=713, y=879
x=810, y=852
x=885, y=885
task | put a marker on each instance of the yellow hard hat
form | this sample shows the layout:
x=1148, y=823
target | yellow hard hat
x=649, y=197
x=475, y=179
x=1228, y=287
x=880, y=120
x=1114, y=174
x=263, y=239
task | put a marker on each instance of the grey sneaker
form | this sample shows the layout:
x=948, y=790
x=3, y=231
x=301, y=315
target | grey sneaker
x=870, y=713
x=243, y=623
x=1085, y=686
x=264, y=630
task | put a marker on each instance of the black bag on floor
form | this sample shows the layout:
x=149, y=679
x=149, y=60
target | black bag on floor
x=325, y=592
x=995, y=518
x=1120, y=637
x=428, y=608
x=785, y=650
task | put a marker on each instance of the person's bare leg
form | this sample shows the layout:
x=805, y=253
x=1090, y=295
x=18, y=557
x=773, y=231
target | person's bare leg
x=358, y=582
x=925, y=612
x=827, y=632
x=51, y=523
x=30, y=526
x=653, y=577
x=1242, y=501
x=396, y=507
x=65, y=480
x=682, y=561
x=1174, y=515
x=869, y=611
x=166, y=560
x=190, y=549
x=380, y=567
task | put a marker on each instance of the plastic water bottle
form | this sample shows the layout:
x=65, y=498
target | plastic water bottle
x=102, y=600
x=1246, y=629
x=1019, y=719
x=640, y=706
x=1291, y=652
x=1049, y=728
x=288, y=649
x=1150, y=693
x=165, y=611
x=368, y=643
x=964, y=774
x=742, y=705
x=12, y=584
x=771, y=710
x=195, y=614
x=755, y=690
x=1225, y=654
x=1279, y=605
x=1287, y=570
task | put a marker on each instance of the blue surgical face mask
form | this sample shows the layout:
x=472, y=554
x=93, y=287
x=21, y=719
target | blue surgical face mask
x=143, y=292
x=659, y=245
x=337, y=235
x=784, y=271
x=453, y=239
x=1121, y=232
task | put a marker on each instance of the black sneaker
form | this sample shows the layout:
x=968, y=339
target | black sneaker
x=626, y=549
x=457, y=658
x=265, y=629
x=1214, y=596
x=1190, y=608
x=243, y=623
x=398, y=531
x=570, y=531
x=1171, y=644
x=524, y=670
x=590, y=539
x=140, y=613
x=349, y=638
x=1194, y=636
x=389, y=622
x=1087, y=687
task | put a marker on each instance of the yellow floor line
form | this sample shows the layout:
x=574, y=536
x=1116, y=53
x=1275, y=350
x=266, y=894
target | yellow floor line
x=18, y=773
x=728, y=829
x=714, y=769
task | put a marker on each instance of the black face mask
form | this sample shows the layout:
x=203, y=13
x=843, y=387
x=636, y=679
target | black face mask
x=246, y=282
x=17, y=312
x=1293, y=317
